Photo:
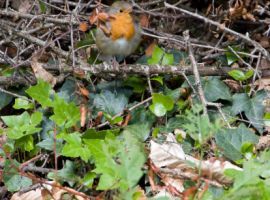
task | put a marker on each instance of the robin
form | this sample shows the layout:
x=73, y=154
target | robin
x=120, y=35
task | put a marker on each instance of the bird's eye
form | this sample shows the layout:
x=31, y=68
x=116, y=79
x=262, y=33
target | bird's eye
x=121, y=10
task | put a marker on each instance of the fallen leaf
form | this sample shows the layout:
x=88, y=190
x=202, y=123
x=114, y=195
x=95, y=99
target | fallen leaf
x=41, y=73
x=83, y=27
x=149, y=50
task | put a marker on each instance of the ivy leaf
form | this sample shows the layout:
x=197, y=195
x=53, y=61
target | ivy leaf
x=230, y=141
x=22, y=104
x=65, y=114
x=159, y=56
x=140, y=131
x=111, y=103
x=250, y=183
x=67, y=173
x=118, y=161
x=168, y=59
x=239, y=75
x=161, y=104
x=252, y=107
x=48, y=144
x=88, y=179
x=12, y=179
x=215, y=89
x=74, y=147
x=22, y=125
x=26, y=143
x=156, y=56
x=137, y=83
x=5, y=99
x=41, y=93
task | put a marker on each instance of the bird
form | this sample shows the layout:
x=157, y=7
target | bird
x=119, y=34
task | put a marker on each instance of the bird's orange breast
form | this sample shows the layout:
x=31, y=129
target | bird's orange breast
x=122, y=25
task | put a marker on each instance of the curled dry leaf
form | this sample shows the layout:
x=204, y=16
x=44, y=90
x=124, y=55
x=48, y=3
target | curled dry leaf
x=46, y=191
x=170, y=158
x=41, y=73
x=144, y=20
x=83, y=27
x=83, y=111
x=84, y=91
x=150, y=48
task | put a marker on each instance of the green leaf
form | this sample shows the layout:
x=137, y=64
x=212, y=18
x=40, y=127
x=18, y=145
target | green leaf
x=158, y=79
x=237, y=74
x=74, y=147
x=26, y=143
x=94, y=134
x=231, y=57
x=113, y=120
x=252, y=107
x=12, y=179
x=118, y=161
x=215, y=89
x=249, y=74
x=88, y=40
x=156, y=56
x=88, y=179
x=5, y=99
x=230, y=141
x=250, y=183
x=158, y=109
x=65, y=114
x=168, y=59
x=111, y=103
x=67, y=173
x=22, y=125
x=161, y=104
x=48, y=144
x=42, y=6
x=140, y=131
x=22, y=104
x=41, y=93
x=137, y=83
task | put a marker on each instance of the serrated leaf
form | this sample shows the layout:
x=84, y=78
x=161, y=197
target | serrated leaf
x=111, y=103
x=230, y=141
x=118, y=161
x=41, y=93
x=65, y=114
x=74, y=147
x=252, y=107
x=22, y=125
x=140, y=131
x=250, y=183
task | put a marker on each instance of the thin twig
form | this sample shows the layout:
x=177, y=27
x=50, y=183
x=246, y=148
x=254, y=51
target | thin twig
x=222, y=27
